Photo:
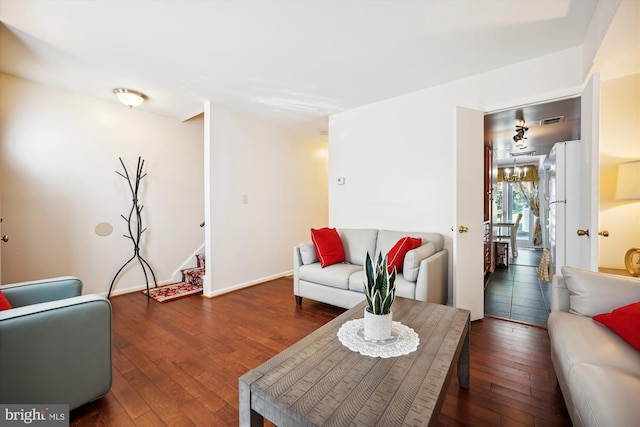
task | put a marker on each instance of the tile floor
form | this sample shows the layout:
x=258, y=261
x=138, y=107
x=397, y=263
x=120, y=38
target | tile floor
x=516, y=293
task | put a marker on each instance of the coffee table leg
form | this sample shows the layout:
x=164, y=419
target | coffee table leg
x=248, y=417
x=463, y=360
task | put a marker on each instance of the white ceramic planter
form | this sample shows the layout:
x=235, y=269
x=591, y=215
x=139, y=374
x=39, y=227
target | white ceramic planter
x=377, y=326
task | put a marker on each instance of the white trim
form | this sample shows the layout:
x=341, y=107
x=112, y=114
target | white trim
x=137, y=288
x=190, y=262
x=248, y=284
x=534, y=100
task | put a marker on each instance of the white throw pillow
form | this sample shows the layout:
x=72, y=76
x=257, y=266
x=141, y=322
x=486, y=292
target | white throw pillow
x=413, y=258
x=308, y=253
x=593, y=293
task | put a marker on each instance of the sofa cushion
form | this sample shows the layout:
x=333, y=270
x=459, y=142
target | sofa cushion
x=404, y=288
x=328, y=246
x=594, y=293
x=336, y=275
x=624, y=321
x=308, y=253
x=605, y=396
x=413, y=258
x=4, y=302
x=395, y=256
x=356, y=281
x=357, y=242
x=578, y=339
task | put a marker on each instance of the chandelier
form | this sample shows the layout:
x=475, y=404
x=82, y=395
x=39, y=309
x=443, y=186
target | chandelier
x=515, y=174
x=518, y=173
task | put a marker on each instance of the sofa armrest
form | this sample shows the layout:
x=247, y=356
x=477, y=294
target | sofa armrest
x=56, y=352
x=559, y=294
x=432, y=284
x=38, y=291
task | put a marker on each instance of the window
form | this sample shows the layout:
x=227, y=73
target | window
x=508, y=203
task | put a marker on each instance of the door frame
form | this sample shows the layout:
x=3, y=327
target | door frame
x=570, y=92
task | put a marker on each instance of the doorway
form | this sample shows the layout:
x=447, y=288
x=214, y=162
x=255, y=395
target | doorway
x=521, y=138
x=514, y=290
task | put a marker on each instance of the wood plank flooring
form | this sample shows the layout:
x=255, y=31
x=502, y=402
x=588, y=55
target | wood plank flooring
x=178, y=363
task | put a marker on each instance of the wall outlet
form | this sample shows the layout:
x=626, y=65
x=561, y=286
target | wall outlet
x=341, y=180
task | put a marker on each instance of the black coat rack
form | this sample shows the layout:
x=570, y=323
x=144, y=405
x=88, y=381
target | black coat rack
x=134, y=225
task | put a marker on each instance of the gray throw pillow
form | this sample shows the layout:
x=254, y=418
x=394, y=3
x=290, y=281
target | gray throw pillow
x=413, y=258
x=308, y=253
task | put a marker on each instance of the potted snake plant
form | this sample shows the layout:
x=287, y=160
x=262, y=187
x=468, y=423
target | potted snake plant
x=380, y=291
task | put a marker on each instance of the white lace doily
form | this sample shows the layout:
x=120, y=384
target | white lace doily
x=403, y=340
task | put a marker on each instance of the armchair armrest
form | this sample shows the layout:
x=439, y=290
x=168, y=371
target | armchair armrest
x=38, y=291
x=56, y=351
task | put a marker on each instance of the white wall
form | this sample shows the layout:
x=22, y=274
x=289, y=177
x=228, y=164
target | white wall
x=283, y=175
x=397, y=156
x=620, y=142
x=58, y=156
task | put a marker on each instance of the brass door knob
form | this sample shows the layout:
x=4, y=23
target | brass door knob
x=5, y=238
x=583, y=232
x=604, y=233
x=463, y=229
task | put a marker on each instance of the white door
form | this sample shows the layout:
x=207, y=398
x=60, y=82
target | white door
x=468, y=230
x=590, y=175
x=1, y=242
x=3, y=237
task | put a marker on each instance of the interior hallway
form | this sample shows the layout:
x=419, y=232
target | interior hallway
x=516, y=293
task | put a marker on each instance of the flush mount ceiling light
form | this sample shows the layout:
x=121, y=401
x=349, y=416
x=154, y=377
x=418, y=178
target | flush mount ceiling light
x=129, y=97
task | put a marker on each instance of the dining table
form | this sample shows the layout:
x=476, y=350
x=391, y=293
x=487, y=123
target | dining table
x=511, y=226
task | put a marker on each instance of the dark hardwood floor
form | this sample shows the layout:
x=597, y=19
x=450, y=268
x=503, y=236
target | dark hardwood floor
x=178, y=363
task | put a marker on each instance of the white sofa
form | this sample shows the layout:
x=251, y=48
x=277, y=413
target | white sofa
x=598, y=371
x=424, y=276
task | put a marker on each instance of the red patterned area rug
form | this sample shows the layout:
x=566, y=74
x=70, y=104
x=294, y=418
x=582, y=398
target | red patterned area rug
x=174, y=291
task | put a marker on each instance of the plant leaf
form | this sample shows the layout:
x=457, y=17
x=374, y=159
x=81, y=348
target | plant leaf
x=379, y=287
x=369, y=272
x=377, y=303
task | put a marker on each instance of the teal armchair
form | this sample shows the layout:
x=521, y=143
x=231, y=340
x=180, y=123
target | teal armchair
x=55, y=344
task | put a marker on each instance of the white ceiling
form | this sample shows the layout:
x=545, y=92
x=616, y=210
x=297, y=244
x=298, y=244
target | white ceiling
x=292, y=62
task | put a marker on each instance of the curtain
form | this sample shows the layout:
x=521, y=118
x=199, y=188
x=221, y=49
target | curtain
x=529, y=191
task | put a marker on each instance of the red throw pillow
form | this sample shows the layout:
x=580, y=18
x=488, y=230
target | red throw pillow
x=4, y=302
x=623, y=321
x=395, y=256
x=328, y=246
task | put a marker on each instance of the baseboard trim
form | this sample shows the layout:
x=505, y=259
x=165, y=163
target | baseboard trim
x=244, y=285
x=137, y=288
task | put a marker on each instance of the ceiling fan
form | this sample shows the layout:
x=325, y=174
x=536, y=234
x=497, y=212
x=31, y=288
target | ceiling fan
x=519, y=137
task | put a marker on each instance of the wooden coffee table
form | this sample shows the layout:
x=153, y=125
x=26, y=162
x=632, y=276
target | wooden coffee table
x=320, y=382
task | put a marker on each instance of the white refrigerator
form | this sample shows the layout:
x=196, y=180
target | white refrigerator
x=561, y=203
